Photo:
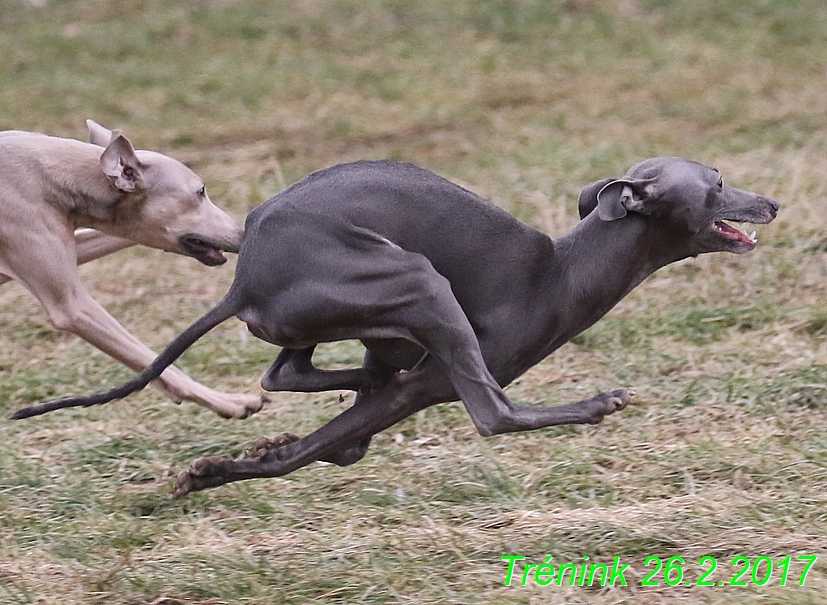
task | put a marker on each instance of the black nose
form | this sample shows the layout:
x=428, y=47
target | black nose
x=775, y=205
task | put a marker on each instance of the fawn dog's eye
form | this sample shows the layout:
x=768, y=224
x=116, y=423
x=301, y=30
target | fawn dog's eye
x=202, y=192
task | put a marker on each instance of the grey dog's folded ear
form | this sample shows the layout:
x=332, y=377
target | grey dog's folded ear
x=613, y=198
x=588, y=197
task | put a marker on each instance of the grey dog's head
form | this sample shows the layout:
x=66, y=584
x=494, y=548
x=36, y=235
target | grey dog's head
x=685, y=197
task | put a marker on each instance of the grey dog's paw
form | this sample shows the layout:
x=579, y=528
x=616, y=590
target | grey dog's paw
x=203, y=474
x=603, y=404
x=622, y=397
x=265, y=444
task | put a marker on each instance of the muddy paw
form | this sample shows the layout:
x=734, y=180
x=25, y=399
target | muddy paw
x=609, y=403
x=265, y=444
x=205, y=473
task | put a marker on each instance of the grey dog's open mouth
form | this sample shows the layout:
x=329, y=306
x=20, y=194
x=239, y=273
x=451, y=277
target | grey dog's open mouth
x=730, y=232
x=207, y=252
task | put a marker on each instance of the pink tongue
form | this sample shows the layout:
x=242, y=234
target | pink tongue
x=732, y=232
x=215, y=254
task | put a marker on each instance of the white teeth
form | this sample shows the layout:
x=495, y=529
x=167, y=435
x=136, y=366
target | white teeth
x=750, y=236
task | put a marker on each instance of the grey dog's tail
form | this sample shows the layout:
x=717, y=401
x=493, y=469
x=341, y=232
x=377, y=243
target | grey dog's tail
x=230, y=305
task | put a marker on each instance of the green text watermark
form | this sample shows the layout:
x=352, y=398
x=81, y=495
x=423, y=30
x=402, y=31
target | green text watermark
x=673, y=571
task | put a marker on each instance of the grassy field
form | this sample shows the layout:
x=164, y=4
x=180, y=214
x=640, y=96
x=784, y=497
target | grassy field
x=523, y=101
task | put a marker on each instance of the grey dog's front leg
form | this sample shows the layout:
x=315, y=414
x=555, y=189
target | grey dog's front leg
x=520, y=418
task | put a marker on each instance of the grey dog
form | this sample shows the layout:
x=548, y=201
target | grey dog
x=452, y=297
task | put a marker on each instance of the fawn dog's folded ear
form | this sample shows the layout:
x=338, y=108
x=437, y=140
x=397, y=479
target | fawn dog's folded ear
x=613, y=198
x=121, y=165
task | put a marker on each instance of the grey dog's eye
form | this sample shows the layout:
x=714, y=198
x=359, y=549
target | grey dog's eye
x=720, y=182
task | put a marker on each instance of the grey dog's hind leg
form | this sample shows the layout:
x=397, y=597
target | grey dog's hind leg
x=375, y=412
x=293, y=370
x=381, y=374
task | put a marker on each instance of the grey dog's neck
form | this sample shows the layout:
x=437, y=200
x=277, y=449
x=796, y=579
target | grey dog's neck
x=598, y=264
